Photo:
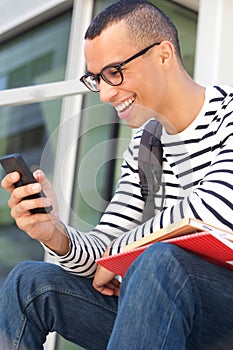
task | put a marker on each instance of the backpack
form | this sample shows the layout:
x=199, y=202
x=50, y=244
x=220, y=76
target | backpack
x=150, y=165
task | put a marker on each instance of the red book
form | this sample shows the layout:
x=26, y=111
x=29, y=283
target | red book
x=212, y=246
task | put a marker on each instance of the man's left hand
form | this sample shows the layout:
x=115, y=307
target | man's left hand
x=105, y=281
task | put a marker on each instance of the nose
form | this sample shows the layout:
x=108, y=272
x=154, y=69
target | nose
x=107, y=92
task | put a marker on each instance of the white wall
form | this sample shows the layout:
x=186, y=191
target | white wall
x=214, y=54
x=15, y=12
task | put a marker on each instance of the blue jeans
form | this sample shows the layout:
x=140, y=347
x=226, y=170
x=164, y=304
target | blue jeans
x=170, y=300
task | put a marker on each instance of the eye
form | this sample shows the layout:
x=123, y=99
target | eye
x=113, y=71
x=112, y=74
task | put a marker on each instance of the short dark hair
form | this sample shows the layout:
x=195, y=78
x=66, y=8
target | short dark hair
x=145, y=22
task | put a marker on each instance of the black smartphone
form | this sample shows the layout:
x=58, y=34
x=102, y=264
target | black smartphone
x=15, y=162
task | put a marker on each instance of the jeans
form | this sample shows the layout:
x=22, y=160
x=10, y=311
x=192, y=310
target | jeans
x=170, y=300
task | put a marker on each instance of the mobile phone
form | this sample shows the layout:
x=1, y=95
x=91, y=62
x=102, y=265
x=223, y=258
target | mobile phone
x=15, y=162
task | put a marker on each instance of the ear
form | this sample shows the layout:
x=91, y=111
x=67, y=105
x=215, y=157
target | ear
x=166, y=53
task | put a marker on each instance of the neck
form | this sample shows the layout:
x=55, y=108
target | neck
x=185, y=100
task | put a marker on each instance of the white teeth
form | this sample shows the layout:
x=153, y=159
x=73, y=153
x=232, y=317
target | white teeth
x=124, y=105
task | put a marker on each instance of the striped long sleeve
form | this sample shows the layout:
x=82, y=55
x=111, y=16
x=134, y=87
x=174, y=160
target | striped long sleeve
x=196, y=182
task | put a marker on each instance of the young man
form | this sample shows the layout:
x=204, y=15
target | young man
x=169, y=298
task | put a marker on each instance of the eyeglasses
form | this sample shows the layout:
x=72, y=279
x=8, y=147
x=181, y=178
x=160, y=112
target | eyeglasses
x=111, y=74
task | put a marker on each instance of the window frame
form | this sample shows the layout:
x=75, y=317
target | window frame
x=72, y=92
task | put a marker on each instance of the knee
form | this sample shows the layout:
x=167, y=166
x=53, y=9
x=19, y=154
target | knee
x=29, y=270
x=161, y=260
x=21, y=272
x=26, y=278
x=160, y=253
x=162, y=270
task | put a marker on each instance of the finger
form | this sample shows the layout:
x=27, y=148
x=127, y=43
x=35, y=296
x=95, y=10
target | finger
x=109, y=288
x=19, y=193
x=9, y=180
x=24, y=206
x=47, y=188
x=102, y=288
x=106, y=290
x=42, y=179
x=116, y=281
x=29, y=222
x=114, y=287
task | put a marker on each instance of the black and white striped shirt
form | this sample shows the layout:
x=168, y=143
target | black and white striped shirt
x=197, y=181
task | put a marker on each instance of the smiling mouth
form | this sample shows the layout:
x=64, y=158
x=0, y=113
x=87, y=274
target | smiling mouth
x=123, y=106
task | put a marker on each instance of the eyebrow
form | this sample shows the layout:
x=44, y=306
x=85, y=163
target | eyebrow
x=108, y=65
x=89, y=73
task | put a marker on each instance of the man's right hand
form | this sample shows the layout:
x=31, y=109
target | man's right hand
x=45, y=228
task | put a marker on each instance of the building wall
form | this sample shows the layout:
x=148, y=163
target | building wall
x=213, y=57
x=214, y=54
x=12, y=16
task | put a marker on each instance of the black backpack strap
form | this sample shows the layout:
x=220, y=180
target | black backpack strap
x=150, y=165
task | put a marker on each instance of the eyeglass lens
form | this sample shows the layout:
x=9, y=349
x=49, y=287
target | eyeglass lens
x=91, y=82
x=111, y=75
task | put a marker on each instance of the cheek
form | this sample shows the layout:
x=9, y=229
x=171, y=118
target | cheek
x=148, y=81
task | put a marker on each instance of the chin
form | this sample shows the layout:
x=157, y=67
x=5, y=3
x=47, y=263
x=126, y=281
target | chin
x=133, y=126
x=136, y=124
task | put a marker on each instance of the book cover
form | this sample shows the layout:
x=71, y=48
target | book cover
x=183, y=227
x=208, y=245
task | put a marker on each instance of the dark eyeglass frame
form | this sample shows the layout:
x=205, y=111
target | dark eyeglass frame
x=96, y=77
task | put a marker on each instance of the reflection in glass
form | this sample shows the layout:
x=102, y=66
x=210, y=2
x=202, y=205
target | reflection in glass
x=41, y=58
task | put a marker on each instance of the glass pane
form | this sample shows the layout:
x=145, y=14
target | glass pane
x=98, y=149
x=90, y=195
x=186, y=23
x=36, y=57
x=26, y=130
x=41, y=57
x=66, y=345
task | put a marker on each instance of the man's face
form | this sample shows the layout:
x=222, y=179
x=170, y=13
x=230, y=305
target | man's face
x=142, y=90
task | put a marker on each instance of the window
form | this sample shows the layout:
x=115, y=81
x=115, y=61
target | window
x=186, y=23
x=38, y=56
